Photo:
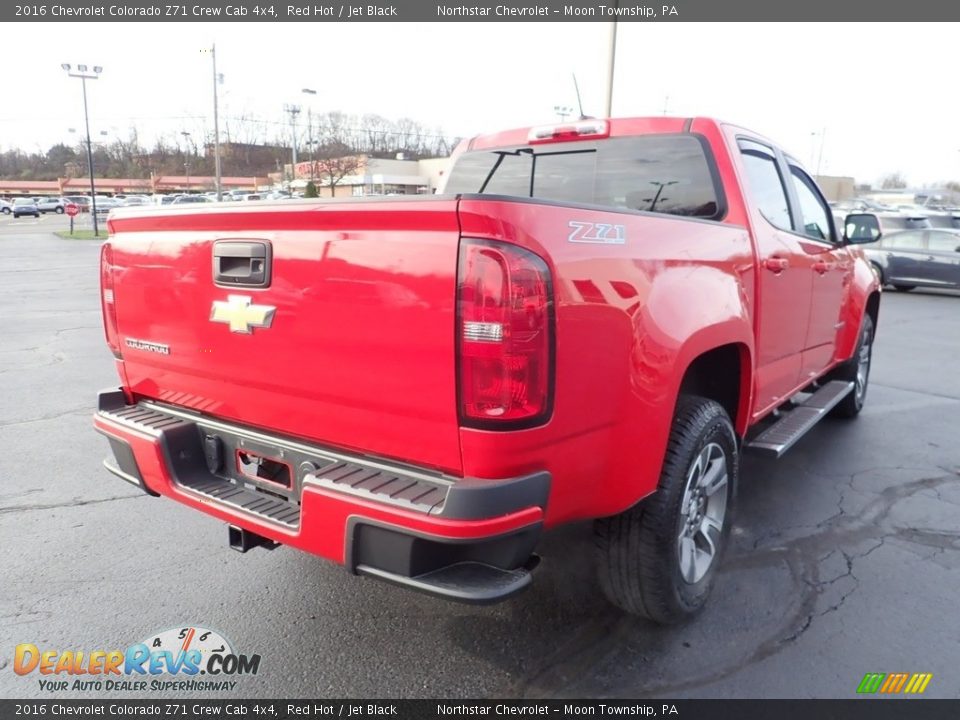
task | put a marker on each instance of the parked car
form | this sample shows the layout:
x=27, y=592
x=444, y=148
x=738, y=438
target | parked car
x=52, y=204
x=592, y=323
x=186, y=199
x=81, y=201
x=105, y=204
x=25, y=206
x=6, y=207
x=917, y=258
x=136, y=200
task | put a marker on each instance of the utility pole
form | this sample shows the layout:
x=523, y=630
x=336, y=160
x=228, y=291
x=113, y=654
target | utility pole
x=216, y=122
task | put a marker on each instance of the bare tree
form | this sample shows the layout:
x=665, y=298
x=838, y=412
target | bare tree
x=333, y=163
x=893, y=181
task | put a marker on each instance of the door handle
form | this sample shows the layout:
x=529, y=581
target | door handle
x=776, y=264
x=821, y=267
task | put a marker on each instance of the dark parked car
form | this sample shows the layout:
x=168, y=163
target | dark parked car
x=25, y=206
x=917, y=258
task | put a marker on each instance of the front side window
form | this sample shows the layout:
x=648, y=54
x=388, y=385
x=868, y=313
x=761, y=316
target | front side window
x=814, y=211
x=653, y=173
x=765, y=185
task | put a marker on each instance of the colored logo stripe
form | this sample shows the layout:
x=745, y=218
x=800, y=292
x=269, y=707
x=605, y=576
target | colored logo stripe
x=893, y=683
x=918, y=683
x=871, y=682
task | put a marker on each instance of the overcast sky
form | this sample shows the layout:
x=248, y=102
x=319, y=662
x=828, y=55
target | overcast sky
x=883, y=92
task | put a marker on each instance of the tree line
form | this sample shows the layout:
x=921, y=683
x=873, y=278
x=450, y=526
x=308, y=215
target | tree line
x=254, y=147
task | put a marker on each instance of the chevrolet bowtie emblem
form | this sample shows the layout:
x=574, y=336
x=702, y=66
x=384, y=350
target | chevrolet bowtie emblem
x=239, y=312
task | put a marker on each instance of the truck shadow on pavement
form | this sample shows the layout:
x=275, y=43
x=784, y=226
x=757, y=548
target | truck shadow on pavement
x=774, y=587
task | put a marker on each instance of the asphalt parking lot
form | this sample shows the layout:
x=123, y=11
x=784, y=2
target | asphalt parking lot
x=845, y=556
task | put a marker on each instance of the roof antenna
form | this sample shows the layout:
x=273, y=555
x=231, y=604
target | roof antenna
x=576, y=87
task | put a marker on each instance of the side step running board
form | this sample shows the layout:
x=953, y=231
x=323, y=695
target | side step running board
x=467, y=582
x=781, y=436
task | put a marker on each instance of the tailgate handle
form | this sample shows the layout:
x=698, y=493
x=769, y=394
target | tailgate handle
x=241, y=262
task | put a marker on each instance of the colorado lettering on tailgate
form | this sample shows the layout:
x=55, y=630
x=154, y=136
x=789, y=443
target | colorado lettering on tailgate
x=416, y=388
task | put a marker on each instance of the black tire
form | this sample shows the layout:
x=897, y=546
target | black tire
x=59, y=211
x=852, y=404
x=904, y=288
x=6, y=211
x=639, y=550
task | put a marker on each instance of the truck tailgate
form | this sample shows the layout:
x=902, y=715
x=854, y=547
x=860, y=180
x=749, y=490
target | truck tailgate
x=358, y=351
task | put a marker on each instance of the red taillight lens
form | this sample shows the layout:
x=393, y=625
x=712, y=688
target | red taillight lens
x=505, y=336
x=107, y=299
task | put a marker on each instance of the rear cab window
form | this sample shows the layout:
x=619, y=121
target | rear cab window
x=670, y=174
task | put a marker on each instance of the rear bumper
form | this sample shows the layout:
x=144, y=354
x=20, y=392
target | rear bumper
x=394, y=522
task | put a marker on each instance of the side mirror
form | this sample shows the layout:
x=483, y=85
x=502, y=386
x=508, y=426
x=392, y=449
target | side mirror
x=861, y=228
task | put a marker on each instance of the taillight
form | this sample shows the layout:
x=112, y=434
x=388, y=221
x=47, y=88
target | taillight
x=505, y=336
x=107, y=299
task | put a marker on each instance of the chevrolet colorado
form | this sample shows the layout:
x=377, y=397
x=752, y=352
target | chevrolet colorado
x=592, y=321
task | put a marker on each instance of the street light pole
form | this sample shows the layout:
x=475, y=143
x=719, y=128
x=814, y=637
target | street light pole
x=611, y=63
x=84, y=75
x=310, y=143
x=293, y=110
x=186, y=164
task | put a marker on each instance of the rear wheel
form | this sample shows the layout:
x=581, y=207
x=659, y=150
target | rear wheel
x=59, y=210
x=659, y=558
x=856, y=370
x=904, y=288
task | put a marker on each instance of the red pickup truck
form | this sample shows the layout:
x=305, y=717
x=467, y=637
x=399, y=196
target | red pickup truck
x=591, y=321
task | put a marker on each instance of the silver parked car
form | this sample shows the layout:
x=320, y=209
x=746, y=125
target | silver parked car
x=52, y=204
x=917, y=258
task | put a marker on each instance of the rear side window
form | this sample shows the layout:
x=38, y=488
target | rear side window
x=904, y=240
x=766, y=185
x=943, y=242
x=655, y=173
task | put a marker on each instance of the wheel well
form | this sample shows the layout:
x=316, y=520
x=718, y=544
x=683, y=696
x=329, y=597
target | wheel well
x=717, y=375
x=879, y=270
x=873, y=308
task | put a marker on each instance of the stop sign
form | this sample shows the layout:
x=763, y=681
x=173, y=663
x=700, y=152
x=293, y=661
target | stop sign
x=71, y=209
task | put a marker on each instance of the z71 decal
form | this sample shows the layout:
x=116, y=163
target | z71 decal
x=588, y=232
